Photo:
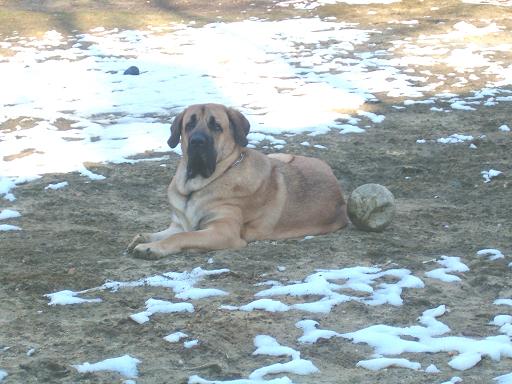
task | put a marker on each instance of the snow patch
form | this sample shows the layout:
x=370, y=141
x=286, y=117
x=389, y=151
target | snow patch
x=432, y=369
x=488, y=175
x=8, y=183
x=501, y=3
x=124, y=365
x=68, y=297
x=501, y=320
x=450, y=264
x=267, y=345
x=455, y=139
x=372, y=116
x=356, y=278
x=268, y=305
x=309, y=5
x=311, y=333
x=182, y=283
x=91, y=175
x=200, y=293
x=56, y=186
x=427, y=338
x=504, y=379
x=9, y=227
x=175, y=337
x=160, y=306
x=9, y=214
x=453, y=380
x=491, y=253
x=191, y=344
x=386, y=362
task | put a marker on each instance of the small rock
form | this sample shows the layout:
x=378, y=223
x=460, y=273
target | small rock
x=133, y=70
x=371, y=207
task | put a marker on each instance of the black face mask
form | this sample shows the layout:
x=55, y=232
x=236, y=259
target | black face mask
x=202, y=156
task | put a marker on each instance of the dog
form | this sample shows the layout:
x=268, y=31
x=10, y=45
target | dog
x=225, y=195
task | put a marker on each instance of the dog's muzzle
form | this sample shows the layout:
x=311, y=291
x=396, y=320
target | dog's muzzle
x=201, y=155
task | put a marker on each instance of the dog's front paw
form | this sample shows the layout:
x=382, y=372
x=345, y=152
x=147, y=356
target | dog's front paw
x=149, y=252
x=138, y=239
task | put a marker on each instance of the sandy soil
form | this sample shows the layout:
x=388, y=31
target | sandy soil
x=75, y=238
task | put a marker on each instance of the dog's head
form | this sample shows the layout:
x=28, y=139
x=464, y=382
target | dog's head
x=208, y=134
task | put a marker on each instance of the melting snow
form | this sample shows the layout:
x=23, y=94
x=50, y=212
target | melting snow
x=491, y=173
x=504, y=379
x=387, y=340
x=56, y=186
x=8, y=214
x=160, y=306
x=198, y=380
x=502, y=3
x=357, y=279
x=182, y=283
x=8, y=183
x=454, y=139
x=300, y=73
x=386, y=362
x=453, y=380
x=110, y=122
x=301, y=4
x=191, y=343
x=267, y=345
x=124, y=365
x=501, y=320
x=432, y=369
x=311, y=333
x=68, y=297
x=372, y=116
x=200, y=293
x=450, y=264
x=491, y=253
x=175, y=337
x=91, y=175
x=9, y=227
x=268, y=305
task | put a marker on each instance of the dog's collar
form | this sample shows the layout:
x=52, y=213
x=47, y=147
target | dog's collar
x=239, y=160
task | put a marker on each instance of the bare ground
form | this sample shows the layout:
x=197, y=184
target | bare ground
x=74, y=238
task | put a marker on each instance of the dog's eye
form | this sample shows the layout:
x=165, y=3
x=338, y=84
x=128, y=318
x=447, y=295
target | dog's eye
x=214, y=125
x=191, y=123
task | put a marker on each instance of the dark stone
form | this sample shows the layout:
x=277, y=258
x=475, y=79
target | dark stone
x=133, y=70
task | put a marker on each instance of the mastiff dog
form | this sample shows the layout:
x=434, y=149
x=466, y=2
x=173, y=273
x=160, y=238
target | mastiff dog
x=225, y=195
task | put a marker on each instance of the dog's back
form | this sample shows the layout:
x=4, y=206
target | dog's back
x=314, y=203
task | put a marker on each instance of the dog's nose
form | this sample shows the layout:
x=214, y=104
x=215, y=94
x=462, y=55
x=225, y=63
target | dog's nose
x=198, y=139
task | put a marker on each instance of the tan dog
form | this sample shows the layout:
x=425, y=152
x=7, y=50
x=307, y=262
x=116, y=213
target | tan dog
x=224, y=195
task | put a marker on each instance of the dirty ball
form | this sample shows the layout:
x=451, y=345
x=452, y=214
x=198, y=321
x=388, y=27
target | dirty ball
x=371, y=207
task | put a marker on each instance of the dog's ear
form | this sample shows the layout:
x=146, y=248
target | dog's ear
x=176, y=130
x=239, y=125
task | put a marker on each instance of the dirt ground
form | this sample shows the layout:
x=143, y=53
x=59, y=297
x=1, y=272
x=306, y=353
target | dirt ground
x=75, y=238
